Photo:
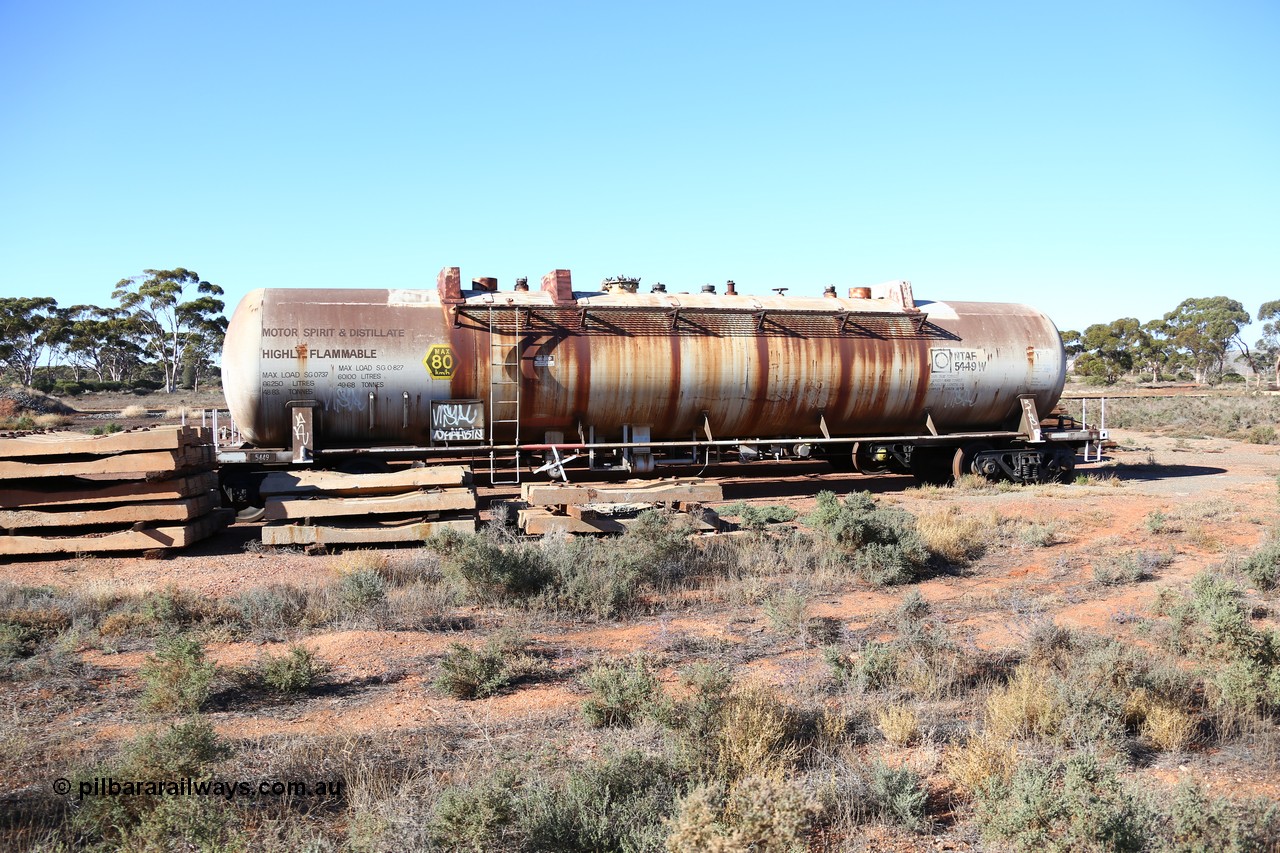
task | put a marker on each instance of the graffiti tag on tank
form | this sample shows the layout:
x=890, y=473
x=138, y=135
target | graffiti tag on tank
x=347, y=399
x=457, y=420
x=301, y=429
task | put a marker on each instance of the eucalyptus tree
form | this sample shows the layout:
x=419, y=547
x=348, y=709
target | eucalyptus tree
x=1268, y=346
x=174, y=311
x=1110, y=350
x=103, y=341
x=29, y=326
x=1204, y=329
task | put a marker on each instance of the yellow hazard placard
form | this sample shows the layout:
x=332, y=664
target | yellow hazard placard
x=439, y=361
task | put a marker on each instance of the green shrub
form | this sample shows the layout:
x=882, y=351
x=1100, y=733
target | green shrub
x=270, y=612
x=361, y=591
x=760, y=814
x=1114, y=571
x=1197, y=824
x=1210, y=591
x=1262, y=567
x=1078, y=804
x=182, y=751
x=758, y=517
x=899, y=795
x=788, y=612
x=177, y=677
x=696, y=718
x=1262, y=435
x=467, y=673
x=174, y=609
x=16, y=641
x=475, y=817
x=618, y=803
x=296, y=671
x=875, y=667
x=588, y=579
x=882, y=542
x=621, y=692
x=490, y=571
x=656, y=547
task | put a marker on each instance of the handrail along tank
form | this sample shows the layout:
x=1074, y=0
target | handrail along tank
x=736, y=366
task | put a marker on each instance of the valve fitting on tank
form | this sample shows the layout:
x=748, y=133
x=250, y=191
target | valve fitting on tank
x=830, y=292
x=522, y=284
x=708, y=288
x=730, y=289
x=658, y=287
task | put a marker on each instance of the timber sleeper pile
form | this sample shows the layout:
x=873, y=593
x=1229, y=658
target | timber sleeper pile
x=332, y=508
x=74, y=493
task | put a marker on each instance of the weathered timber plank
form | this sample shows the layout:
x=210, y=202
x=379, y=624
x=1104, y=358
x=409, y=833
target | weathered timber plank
x=536, y=521
x=68, y=443
x=152, y=460
x=635, y=491
x=707, y=517
x=301, y=534
x=168, y=536
x=183, y=509
x=335, y=483
x=327, y=507
x=69, y=491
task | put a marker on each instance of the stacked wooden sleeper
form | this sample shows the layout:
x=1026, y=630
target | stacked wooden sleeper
x=611, y=508
x=74, y=493
x=332, y=508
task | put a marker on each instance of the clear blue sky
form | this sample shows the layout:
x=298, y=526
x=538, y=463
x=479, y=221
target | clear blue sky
x=1096, y=160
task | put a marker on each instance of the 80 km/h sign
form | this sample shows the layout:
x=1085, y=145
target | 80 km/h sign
x=439, y=361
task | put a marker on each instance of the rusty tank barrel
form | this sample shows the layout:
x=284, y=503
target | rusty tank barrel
x=372, y=361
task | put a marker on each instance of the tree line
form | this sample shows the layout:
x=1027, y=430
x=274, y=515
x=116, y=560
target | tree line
x=1198, y=341
x=164, y=330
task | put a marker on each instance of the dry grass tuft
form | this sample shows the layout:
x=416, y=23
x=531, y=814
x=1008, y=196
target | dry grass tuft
x=977, y=762
x=1164, y=723
x=1026, y=706
x=350, y=562
x=957, y=536
x=899, y=724
x=1169, y=727
x=755, y=735
x=133, y=412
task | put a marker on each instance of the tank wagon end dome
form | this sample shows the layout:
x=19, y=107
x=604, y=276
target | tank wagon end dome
x=242, y=363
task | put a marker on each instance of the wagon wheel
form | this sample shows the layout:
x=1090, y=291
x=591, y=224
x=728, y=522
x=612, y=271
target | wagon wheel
x=1060, y=468
x=962, y=460
x=863, y=463
x=932, y=465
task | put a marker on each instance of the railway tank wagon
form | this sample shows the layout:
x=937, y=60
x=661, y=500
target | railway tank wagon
x=625, y=378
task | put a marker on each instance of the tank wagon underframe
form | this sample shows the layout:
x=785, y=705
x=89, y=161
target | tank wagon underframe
x=621, y=380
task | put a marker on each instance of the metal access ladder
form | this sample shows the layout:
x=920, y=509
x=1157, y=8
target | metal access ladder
x=504, y=395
